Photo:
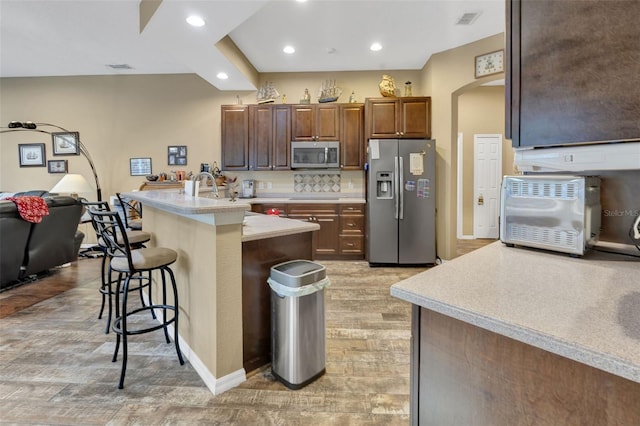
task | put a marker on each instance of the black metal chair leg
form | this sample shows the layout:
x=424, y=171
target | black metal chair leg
x=164, y=305
x=153, y=314
x=123, y=328
x=102, y=287
x=115, y=322
x=175, y=323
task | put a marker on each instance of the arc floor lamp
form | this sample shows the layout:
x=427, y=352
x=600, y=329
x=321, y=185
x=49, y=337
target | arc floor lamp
x=30, y=126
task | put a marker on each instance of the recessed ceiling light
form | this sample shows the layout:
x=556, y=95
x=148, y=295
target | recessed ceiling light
x=289, y=49
x=301, y=1
x=376, y=47
x=222, y=75
x=195, y=20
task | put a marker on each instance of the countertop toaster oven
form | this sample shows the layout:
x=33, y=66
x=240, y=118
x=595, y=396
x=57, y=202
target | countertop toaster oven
x=552, y=212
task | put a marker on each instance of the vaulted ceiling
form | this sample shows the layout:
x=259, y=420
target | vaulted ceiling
x=108, y=37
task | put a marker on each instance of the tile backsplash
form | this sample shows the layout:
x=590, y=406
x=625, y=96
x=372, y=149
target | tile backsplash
x=316, y=182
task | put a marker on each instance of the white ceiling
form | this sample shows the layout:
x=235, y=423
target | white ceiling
x=81, y=37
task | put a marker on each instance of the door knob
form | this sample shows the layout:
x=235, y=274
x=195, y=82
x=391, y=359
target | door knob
x=480, y=200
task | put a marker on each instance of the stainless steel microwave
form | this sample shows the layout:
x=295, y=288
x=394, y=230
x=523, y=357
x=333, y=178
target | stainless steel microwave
x=315, y=155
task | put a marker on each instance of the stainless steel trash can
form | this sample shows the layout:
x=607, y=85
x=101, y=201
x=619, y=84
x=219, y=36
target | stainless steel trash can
x=297, y=322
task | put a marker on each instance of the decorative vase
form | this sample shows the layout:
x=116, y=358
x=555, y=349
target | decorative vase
x=387, y=86
x=407, y=89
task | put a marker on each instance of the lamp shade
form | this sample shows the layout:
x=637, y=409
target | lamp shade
x=72, y=184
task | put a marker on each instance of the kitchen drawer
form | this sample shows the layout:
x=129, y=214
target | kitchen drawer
x=352, y=245
x=263, y=207
x=313, y=209
x=348, y=209
x=351, y=224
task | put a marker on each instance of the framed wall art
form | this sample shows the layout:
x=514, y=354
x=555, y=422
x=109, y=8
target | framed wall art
x=140, y=166
x=31, y=154
x=66, y=143
x=57, y=166
x=177, y=155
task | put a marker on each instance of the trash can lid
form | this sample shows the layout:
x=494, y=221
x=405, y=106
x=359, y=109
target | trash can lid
x=298, y=273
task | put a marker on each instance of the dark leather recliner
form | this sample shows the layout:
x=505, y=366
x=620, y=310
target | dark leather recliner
x=29, y=248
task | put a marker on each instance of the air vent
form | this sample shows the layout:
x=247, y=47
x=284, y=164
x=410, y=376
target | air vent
x=468, y=18
x=519, y=233
x=565, y=191
x=120, y=66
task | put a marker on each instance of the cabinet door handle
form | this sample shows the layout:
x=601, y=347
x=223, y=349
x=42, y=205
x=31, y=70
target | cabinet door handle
x=351, y=224
x=350, y=245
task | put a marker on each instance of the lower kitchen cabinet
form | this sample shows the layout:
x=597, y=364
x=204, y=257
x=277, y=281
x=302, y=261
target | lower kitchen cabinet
x=258, y=256
x=263, y=208
x=341, y=234
x=351, y=237
x=326, y=215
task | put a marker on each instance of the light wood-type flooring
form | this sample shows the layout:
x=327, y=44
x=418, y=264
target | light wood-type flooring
x=55, y=361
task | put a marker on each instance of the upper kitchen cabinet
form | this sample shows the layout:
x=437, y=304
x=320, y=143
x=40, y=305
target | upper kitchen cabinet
x=269, y=137
x=317, y=122
x=352, y=136
x=572, y=72
x=398, y=118
x=235, y=137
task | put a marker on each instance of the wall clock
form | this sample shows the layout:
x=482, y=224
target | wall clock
x=489, y=63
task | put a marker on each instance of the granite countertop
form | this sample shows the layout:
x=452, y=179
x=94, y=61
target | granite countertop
x=177, y=202
x=585, y=309
x=260, y=226
x=307, y=199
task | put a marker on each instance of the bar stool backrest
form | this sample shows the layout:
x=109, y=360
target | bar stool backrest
x=130, y=210
x=95, y=206
x=112, y=230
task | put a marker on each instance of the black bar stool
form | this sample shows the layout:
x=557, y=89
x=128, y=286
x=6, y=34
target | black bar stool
x=137, y=239
x=132, y=213
x=128, y=263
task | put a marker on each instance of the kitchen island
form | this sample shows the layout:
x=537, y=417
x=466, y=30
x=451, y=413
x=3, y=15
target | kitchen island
x=507, y=336
x=208, y=235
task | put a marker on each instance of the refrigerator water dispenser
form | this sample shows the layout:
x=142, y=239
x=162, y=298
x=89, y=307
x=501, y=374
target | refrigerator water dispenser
x=384, y=185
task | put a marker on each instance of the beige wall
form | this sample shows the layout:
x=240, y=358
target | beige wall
x=480, y=111
x=120, y=117
x=448, y=75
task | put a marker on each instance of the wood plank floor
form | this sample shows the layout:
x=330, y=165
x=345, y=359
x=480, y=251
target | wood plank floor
x=55, y=361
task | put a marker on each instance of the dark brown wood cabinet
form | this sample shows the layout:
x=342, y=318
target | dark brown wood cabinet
x=398, y=118
x=352, y=146
x=341, y=234
x=315, y=122
x=572, y=72
x=263, y=208
x=325, y=244
x=351, y=237
x=269, y=137
x=235, y=137
x=258, y=256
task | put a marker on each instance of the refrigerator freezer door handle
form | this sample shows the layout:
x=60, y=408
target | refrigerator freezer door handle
x=401, y=188
x=396, y=184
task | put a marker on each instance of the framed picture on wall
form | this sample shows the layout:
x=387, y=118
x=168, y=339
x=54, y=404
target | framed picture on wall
x=66, y=143
x=57, y=166
x=140, y=166
x=31, y=154
x=177, y=155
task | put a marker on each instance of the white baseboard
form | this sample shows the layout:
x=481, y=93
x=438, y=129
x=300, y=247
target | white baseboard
x=215, y=385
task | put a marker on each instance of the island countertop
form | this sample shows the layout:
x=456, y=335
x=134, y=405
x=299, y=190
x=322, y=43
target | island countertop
x=258, y=226
x=585, y=309
x=177, y=202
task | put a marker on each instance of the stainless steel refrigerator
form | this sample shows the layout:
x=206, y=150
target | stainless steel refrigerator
x=401, y=201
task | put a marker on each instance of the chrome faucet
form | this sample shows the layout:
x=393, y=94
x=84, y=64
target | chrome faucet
x=209, y=176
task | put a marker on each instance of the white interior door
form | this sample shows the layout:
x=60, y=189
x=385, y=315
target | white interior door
x=487, y=173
